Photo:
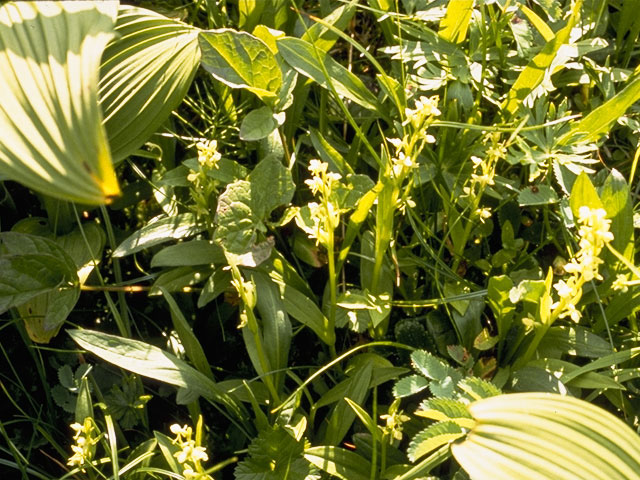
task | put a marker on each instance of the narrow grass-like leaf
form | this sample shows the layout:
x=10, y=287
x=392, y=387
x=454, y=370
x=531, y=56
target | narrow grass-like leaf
x=170, y=228
x=455, y=24
x=144, y=76
x=313, y=63
x=52, y=135
x=339, y=462
x=534, y=72
x=532, y=436
x=194, y=252
x=600, y=120
x=192, y=346
x=149, y=361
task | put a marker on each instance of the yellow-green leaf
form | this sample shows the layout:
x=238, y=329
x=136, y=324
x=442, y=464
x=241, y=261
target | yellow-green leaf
x=52, y=135
x=534, y=72
x=144, y=76
x=455, y=24
x=538, y=435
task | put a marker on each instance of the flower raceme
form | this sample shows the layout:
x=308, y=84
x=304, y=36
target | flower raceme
x=594, y=236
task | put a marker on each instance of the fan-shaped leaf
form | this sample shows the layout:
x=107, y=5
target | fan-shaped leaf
x=533, y=436
x=52, y=135
x=145, y=75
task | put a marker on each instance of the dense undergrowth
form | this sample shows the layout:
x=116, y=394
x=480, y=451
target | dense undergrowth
x=286, y=239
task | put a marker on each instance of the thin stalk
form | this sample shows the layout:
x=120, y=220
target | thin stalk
x=333, y=290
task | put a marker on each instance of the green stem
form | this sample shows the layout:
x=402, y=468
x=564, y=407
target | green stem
x=333, y=291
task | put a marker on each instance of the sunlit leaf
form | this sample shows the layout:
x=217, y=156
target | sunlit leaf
x=534, y=435
x=144, y=76
x=52, y=135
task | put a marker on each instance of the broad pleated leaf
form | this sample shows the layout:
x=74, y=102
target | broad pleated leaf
x=52, y=135
x=534, y=435
x=145, y=74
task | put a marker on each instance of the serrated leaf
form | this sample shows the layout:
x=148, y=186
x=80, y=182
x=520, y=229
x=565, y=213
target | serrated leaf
x=476, y=388
x=240, y=60
x=273, y=455
x=430, y=366
x=441, y=409
x=144, y=76
x=169, y=228
x=52, y=135
x=549, y=436
x=433, y=437
x=409, y=385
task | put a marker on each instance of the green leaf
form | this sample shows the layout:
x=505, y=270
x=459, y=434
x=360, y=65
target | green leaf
x=604, y=362
x=616, y=199
x=84, y=405
x=543, y=29
x=339, y=462
x=600, y=120
x=535, y=71
x=236, y=219
x=275, y=325
x=455, y=24
x=240, y=60
x=498, y=299
x=168, y=228
x=484, y=341
x=52, y=135
x=149, y=361
x=583, y=194
x=274, y=455
x=321, y=36
x=193, y=252
x=476, y=388
x=303, y=309
x=271, y=186
x=549, y=436
x=180, y=279
x=409, y=386
x=189, y=341
x=144, y=76
x=342, y=416
x=537, y=195
x=45, y=312
x=216, y=284
x=430, y=366
x=440, y=409
x=432, y=437
x=258, y=124
x=324, y=70
x=573, y=340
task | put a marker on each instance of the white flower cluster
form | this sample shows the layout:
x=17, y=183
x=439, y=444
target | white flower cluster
x=190, y=454
x=594, y=235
